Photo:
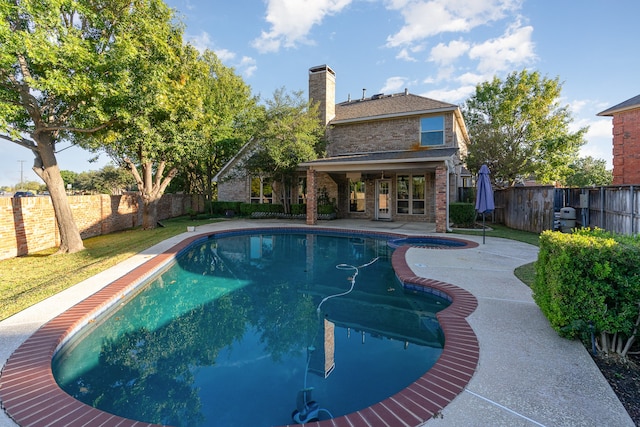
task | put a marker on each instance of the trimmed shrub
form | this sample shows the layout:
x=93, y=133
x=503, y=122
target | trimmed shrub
x=221, y=208
x=299, y=209
x=462, y=214
x=590, y=277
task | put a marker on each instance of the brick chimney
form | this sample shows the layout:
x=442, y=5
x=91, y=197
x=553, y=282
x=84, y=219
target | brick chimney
x=322, y=89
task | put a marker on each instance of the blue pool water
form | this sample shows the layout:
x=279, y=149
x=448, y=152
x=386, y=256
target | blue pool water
x=240, y=326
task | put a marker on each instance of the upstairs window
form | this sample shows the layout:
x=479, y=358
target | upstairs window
x=432, y=131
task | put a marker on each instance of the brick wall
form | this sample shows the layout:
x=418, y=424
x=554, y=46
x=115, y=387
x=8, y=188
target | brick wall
x=382, y=135
x=626, y=147
x=28, y=224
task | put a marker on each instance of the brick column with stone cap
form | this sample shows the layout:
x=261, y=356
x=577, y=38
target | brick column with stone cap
x=312, y=197
x=441, y=199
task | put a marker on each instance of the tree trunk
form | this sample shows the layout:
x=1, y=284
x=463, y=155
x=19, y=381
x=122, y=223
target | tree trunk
x=149, y=214
x=151, y=188
x=46, y=167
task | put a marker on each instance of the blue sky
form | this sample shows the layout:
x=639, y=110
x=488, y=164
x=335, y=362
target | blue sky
x=436, y=48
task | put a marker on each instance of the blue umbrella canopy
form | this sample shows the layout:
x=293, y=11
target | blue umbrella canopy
x=484, y=192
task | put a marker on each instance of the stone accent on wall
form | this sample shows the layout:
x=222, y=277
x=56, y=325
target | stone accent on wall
x=626, y=147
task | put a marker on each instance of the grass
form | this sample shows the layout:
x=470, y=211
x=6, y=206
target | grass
x=27, y=280
x=526, y=273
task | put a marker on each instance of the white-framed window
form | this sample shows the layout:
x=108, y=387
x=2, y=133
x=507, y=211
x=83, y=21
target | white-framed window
x=356, y=196
x=410, y=194
x=261, y=191
x=432, y=131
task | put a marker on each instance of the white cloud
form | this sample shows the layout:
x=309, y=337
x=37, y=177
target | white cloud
x=225, y=55
x=405, y=55
x=454, y=96
x=426, y=18
x=514, y=48
x=200, y=41
x=394, y=85
x=445, y=54
x=247, y=66
x=292, y=20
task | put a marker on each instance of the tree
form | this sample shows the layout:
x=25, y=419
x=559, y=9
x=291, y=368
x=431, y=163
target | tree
x=66, y=72
x=518, y=128
x=228, y=112
x=156, y=127
x=289, y=133
x=587, y=171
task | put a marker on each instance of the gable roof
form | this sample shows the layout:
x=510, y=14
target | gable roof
x=629, y=104
x=388, y=106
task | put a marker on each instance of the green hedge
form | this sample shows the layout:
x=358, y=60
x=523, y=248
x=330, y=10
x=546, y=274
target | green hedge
x=221, y=208
x=590, y=276
x=462, y=214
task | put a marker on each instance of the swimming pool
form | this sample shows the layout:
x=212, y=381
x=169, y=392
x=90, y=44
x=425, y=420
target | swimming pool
x=258, y=330
x=30, y=396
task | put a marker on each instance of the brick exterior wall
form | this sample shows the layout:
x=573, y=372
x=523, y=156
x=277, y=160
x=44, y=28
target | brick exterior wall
x=234, y=190
x=626, y=147
x=441, y=199
x=383, y=135
x=28, y=224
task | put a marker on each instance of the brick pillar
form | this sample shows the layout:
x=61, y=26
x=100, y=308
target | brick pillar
x=312, y=197
x=441, y=199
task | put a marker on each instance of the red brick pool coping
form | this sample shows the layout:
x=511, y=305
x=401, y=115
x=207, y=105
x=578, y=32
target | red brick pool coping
x=31, y=397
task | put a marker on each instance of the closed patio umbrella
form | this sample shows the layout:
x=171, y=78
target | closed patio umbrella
x=484, y=195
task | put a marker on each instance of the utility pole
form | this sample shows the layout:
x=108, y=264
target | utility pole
x=21, y=173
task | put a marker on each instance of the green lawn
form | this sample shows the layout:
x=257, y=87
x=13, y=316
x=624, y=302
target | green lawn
x=27, y=280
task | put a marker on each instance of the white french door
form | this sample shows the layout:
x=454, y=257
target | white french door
x=383, y=199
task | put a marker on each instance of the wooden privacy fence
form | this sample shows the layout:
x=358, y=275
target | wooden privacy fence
x=612, y=208
x=525, y=208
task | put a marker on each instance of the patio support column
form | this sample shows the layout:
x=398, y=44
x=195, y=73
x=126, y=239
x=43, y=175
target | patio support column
x=312, y=197
x=441, y=199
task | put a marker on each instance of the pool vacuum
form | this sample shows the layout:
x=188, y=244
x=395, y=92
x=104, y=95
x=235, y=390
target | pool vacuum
x=308, y=410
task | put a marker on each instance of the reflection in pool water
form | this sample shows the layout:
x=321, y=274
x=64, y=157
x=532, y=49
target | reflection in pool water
x=258, y=330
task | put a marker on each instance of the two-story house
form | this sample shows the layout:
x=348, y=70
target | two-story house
x=389, y=157
x=626, y=140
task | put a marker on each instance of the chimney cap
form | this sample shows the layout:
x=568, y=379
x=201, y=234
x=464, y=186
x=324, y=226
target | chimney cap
x=321, y=69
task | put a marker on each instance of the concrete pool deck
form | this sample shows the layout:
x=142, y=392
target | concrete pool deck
x=526, y=375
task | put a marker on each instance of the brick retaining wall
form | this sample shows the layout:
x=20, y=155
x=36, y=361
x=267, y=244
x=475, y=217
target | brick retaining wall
x=28, y=224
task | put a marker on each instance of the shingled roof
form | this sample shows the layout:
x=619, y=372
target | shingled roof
x=386, y=106
x=629, y=104
x=432, y=154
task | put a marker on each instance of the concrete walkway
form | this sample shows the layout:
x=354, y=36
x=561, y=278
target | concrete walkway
x=526, y=375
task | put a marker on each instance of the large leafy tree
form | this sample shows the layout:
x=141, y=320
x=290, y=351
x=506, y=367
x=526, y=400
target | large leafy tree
x=157, y=130
x=519, y=129
x=68, y=69
x=228, y=116
x=289, y=133
x=588, y=171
